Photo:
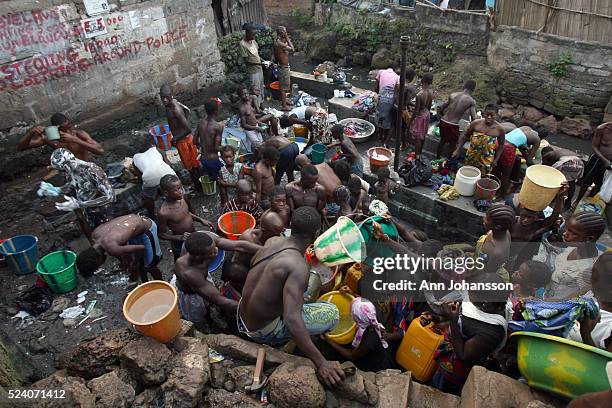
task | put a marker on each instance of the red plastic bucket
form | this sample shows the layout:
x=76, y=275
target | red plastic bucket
x=234, y=223
x=275, y=88
x=486, y=187
x=161, y=136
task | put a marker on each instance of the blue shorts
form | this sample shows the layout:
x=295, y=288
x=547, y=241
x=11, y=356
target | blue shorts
x=357, y=168
x=150, y=241
x=286, y=161
x=212, y=168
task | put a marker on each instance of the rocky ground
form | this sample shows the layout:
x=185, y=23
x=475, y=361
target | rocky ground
x=122, y=369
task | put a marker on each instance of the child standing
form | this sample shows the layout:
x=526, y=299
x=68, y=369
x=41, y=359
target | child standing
x=174, y=218
x=230, y=173
x=384, y=187
x=265, y=172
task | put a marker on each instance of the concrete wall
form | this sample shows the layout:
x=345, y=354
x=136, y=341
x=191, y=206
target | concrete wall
x=520, y=56
x=47, y=64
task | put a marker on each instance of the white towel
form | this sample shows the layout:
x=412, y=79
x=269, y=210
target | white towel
x=469, y=310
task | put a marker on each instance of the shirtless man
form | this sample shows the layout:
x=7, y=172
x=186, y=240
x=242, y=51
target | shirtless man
x=175, y=219
x=264, y=173
x=282, y=46
x=485, y=135
x=349, y=151
x=253, y=127
x=327, y=176
x=306, y=191
x=236, y=271
x=278, y=204
x=77, y=141
x=209, y=138
x=182, y=138
x=599, y=162
x=271, y=310
x=195, y=287
x=288, y=152
x=419, y=122
x=132, y=239
x=452, y=112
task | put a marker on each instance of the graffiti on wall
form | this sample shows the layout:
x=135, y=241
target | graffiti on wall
x=37, y=47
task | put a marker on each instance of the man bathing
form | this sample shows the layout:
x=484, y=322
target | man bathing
x=264, y=173
x=182, y=138
x=306, y=191
x=77, y=141
x=132, y=239
x=271, y=310
x=453, y=111
x=348, y=149
x=175, y=219
x=253, y=127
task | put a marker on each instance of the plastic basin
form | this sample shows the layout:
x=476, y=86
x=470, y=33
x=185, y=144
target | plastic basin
x=540, y=187
x=161, y=136
x=561, y=366
x=342, y=243
x=21, y=253
x=234, y=223
x=318, y=153
x=59, y=270
x=153, y=310
x=343, y=303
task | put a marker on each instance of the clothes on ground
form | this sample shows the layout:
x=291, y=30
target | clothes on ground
x=387, y=78
x=554, y=318
x=249, y=50
x=572, y=167
x=252, y=207
x=300, y=112
x=212, y=168
x=508, y=155
x=593, y=172
x=320, y=126
x=517, y=137
x=420, y=125
x=318, y=317
x=601, y=332
x=286, y=161
x=152, y=166
x=188, y=152
x=481, y=152
x=253, y=139
x=366, y=102
x=150, y=241
x=284, y=78
x=569, y=277
x=386, y=99
x=231, y=177
x=449, y=132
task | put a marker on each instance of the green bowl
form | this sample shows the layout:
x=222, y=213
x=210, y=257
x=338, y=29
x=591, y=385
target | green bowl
x=561, y=366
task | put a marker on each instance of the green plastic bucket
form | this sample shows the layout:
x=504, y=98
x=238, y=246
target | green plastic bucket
x=318, y=153
x=209, y=187
x=58, y=269
x=340, y=244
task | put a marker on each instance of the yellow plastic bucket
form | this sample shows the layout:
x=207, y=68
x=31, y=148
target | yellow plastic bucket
x=540, y=187
x=340, y=244
x=209, y=187
x=345, y=330
x=153, y=310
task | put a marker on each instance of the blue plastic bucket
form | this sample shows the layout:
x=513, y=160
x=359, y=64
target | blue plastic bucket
x=217, y=262
x=160, y=135
x=21, y=253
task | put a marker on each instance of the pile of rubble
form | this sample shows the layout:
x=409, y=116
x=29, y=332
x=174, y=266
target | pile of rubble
x=123, y=369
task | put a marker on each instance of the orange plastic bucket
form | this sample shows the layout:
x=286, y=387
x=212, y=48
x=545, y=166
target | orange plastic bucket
x=153, y=309
x=275, y=88
x=234, y=223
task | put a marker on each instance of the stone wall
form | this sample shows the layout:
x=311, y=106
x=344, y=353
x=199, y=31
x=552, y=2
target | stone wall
x=47, y=64
x=521, y=56
x=287, y=7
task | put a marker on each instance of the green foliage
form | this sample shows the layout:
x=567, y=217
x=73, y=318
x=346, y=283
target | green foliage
x=229, y=47
x=304, y=20
x=559, y=67
x=372, y=31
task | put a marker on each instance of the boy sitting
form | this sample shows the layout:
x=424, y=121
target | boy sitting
x=175, y=219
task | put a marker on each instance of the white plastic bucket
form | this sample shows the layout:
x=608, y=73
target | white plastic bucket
x=465, y=182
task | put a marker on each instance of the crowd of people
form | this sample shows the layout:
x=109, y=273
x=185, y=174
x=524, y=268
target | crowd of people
x=266, y=272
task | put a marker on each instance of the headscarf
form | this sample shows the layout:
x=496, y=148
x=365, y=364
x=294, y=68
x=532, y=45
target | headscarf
x=63, y=159
x=363, y=313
